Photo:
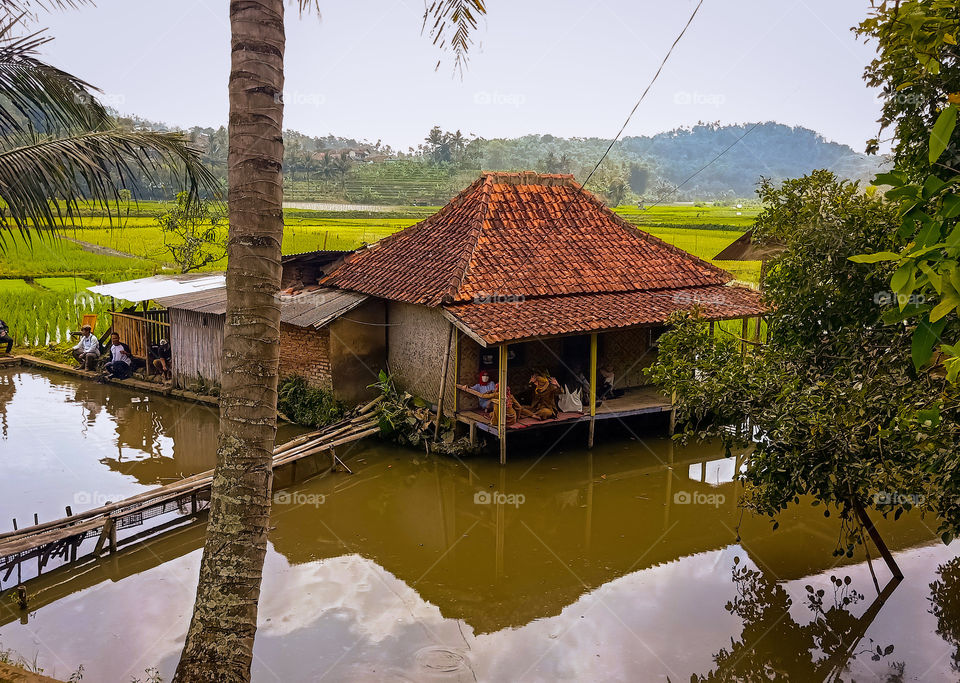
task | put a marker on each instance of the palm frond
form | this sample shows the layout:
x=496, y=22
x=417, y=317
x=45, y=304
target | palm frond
x=32, y=6
x=463, y=16
x=35, y=96
x=42, y=180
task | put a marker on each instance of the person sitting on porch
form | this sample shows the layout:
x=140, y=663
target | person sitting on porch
x=87, y=350
x=161, y=358
x=484, y=386
x=5, y=337
x=605, y=378
x=545, y=392
x=121, y=359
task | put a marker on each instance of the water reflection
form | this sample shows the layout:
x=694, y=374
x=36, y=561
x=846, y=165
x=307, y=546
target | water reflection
x=774, y=645
x=614, y=564
x=945, y=606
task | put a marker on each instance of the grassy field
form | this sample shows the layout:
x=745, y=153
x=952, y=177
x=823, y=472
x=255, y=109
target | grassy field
x=43, y=280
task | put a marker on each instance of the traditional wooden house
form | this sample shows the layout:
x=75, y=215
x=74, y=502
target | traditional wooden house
x=521, y=272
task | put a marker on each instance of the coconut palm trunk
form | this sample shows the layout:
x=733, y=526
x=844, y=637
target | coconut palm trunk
x=219, y=644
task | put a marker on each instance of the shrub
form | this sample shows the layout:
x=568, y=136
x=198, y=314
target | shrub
x=307, y=405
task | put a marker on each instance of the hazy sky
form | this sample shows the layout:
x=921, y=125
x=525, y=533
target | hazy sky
x=364, y=70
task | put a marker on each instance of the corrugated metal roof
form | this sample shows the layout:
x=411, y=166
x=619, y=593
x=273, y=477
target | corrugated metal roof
x=307, y=308
x=157, y=286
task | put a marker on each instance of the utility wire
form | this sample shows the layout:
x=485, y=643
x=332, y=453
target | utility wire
x=645, y=91
x=704, y=167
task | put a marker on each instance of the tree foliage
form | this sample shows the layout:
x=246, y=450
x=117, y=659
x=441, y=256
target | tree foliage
x=840, y=412
x=194, y=232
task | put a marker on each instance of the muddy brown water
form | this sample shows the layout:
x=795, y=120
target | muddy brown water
x=630, y=562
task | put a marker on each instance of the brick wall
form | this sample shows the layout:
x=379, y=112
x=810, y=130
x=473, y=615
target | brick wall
x=306, y=352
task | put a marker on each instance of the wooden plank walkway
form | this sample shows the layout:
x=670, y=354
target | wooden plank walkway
x=61, y=538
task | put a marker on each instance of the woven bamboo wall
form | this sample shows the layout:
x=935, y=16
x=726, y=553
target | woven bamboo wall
x=196, y=341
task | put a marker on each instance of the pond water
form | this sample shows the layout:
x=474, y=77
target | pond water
x=628, y=562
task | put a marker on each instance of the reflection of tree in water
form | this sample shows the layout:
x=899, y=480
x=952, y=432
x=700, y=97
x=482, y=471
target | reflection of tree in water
x=945, y=600
x=7, y=389
x=773, y=646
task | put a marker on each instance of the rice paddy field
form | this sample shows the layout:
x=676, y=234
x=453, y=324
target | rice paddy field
x=43, y=280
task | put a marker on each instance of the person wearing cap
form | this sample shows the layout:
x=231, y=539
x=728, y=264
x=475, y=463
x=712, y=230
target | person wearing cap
x=87, y=350
x=161, y=358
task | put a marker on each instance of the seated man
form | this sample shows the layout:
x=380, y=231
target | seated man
x=493, y=400
x=545, y=393
x=484, y=386
x=87, y=350
x=121, y=359
x=5, y=338
x=161, y=358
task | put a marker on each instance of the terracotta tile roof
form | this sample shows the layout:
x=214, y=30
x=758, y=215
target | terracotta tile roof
x=521, y=234
x=506, y=321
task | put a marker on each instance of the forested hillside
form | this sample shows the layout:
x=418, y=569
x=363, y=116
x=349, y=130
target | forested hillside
x=708, y=161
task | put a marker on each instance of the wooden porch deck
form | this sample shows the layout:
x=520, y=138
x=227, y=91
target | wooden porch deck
x=639, y=401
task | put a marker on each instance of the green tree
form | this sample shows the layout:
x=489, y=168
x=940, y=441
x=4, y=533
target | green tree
x=840, y=412
x=639, y=178
x=192, y=233
x=917, y=68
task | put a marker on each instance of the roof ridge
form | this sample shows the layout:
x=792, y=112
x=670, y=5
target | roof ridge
x=485, y=190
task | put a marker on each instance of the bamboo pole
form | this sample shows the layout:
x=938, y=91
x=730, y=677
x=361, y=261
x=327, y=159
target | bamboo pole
x=593, y=388
x=443, y=383
x=502, y=409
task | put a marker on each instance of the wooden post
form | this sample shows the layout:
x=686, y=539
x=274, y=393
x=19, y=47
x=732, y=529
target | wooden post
x=877, y=540
x=443, y=383
x=456, y=369
x=593, y=388
x=502, y=407
x=743, y=336
x=473, y=433
x=756, y=332
x=22, y=596
x=712, y=327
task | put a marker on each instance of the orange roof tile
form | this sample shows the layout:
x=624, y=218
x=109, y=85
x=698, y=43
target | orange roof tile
x=508, y=321
x=519, y=234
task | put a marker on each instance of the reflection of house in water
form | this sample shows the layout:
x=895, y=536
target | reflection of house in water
x=552, y=538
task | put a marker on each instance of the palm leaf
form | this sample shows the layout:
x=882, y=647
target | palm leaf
x=42, y=178
x=31, y=6
x=35, y=96
x=463, y=16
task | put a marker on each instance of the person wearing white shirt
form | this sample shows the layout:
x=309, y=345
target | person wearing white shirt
x=87, y=350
